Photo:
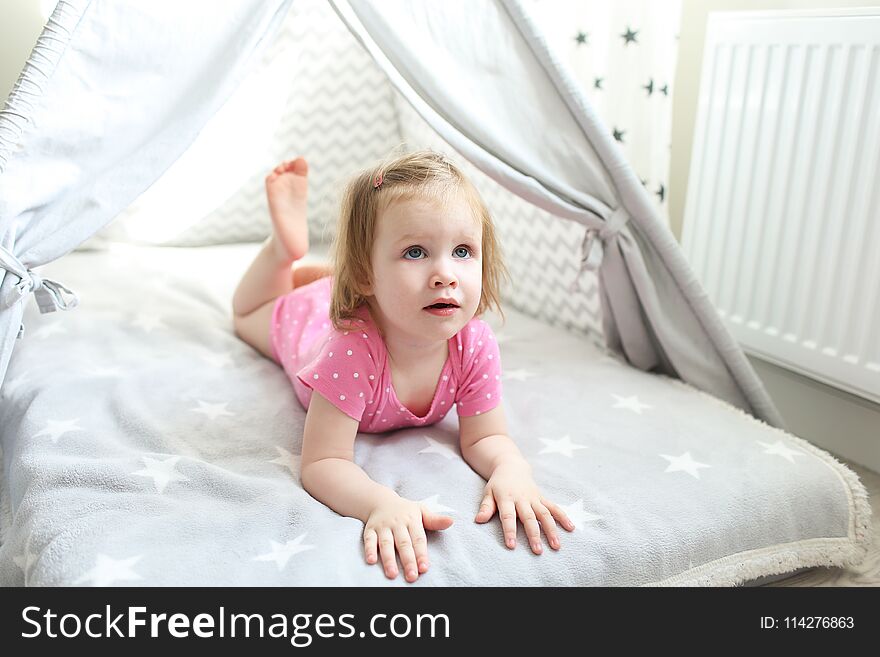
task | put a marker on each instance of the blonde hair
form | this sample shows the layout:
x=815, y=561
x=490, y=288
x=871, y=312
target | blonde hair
x=423, y=174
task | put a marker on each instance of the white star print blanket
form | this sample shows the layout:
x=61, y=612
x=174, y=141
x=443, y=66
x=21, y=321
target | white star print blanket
x=144, y=444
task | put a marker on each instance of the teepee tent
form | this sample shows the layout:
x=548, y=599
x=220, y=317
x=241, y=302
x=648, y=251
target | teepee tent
x=146, y=442
x=114, y=93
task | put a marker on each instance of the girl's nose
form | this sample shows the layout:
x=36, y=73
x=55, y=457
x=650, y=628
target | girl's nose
x=444, y=273
x=444, y=280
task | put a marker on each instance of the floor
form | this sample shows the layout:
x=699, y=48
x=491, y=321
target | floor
x=868, y=572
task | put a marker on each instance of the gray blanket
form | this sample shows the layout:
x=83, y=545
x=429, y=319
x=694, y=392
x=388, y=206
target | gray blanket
x=144, y=444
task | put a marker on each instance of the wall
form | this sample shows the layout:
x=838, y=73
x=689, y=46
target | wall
x=21, y=22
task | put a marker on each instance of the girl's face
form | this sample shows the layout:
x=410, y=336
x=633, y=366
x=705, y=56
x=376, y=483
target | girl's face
x=423, y=252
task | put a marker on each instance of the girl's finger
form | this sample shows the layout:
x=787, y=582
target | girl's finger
x=548, y=524
x=530, y=523
x=420, y=545
x=370, y=546
x=507, y=513
x=404, y=544
x=487, y=508
x=559, y=514
x=386, y=550
x=435, y=521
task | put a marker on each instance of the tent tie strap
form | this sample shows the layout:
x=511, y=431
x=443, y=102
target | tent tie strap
x=49, y=293
x=593, y=249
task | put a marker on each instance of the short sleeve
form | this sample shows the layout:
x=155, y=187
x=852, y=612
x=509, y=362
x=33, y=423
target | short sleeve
x=344, y=371
x=480, y=388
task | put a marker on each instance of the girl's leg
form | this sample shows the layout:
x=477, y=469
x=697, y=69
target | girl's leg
x=265, y=280
x=253, y=327
x=304, y=274
x=269, y=275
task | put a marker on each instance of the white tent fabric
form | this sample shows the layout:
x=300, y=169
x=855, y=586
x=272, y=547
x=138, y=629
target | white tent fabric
x=100, y=113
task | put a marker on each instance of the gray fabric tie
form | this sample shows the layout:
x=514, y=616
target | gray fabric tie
x=49, y=293
x=592, y=249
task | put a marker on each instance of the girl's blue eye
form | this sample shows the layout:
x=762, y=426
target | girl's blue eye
x=457, y=250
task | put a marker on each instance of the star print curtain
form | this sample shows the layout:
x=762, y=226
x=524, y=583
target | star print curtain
x=114, y=93
x=623, y=54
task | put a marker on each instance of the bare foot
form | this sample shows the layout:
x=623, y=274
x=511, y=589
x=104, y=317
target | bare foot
x=287, y=188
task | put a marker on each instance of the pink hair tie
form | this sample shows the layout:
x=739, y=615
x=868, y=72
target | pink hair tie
x=378, y=181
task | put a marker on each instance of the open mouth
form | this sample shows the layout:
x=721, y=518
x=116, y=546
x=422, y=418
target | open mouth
x=441, y=305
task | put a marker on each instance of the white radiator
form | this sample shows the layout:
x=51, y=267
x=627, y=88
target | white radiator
x=782, y=218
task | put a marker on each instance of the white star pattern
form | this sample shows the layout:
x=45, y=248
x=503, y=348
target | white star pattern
x=434, y=505
x=684, y=463
x=162, y=472
x=577, y=515
x=213, y=411
x=148, y=322
x=57, y=428
x=288, y=460
x=108, y=570
x=779, y=448
x=217, y=359
x=281, y=554
x=49, y=329
x=436, y=447
x=632, y=403
x=562, y=446
x=517, y=375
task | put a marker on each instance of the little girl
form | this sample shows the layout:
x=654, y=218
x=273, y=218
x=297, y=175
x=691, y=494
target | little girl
x=389, y=336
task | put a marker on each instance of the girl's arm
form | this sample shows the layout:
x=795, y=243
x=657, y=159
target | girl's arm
x=328, y=472
x=392, y=524
x=485, y=443
x=510, y=488
x=345, y=487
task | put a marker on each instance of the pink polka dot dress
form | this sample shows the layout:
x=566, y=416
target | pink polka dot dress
x=351, y=368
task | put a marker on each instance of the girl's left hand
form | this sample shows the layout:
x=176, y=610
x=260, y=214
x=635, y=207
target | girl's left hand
x=513, y=492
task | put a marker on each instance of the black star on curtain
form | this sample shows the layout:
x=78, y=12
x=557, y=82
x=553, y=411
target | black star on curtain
x=629, y=36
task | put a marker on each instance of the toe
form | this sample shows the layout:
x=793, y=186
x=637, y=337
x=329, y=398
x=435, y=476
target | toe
x=300, y=166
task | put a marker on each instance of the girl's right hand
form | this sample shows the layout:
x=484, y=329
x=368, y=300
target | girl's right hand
x=400, y=524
